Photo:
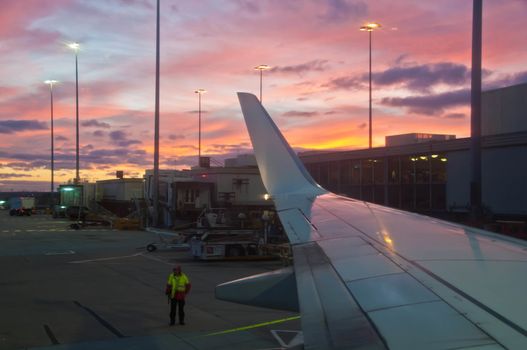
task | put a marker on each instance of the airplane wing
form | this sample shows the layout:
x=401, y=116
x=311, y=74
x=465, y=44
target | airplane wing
x=373, y=277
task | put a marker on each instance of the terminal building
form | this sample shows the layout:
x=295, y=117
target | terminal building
x=431, y=173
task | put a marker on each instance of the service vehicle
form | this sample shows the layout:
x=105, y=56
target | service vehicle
x=20, y=206
x=225, y=244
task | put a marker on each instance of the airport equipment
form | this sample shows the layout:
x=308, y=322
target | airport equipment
x=70, y=201
x=76, y=200
x=170, y=240
x=224, y=244
x=212, y=218
x=20, y=206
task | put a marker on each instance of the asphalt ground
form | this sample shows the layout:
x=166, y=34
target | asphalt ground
x=98, y=288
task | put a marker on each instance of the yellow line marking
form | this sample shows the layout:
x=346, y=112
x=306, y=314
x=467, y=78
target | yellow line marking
x=254, y=326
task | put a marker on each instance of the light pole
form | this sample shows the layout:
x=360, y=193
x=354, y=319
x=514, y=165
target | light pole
x=261, y=68
x=370, y=27
x=50, y=83
x=199, y=92
x=155, y=219
x=75, y=47
x=476, y=204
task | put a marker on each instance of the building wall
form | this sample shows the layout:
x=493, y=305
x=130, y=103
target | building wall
x=504, y=180
x=83, y=194
x=458, y=181
x=504, y=110
x=245, y=189
x=123, y=190
x=504, y=189
x=90, y=191
x=133, y=190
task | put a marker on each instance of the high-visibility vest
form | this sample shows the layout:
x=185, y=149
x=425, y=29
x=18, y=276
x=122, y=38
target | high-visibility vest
x=178, y=283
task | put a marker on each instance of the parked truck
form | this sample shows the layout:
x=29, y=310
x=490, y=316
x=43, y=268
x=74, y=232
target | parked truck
x=20, y=206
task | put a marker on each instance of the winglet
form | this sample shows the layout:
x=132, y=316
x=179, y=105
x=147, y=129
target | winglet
x=281, y=169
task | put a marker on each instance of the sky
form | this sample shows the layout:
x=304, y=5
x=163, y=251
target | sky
x=316, y=90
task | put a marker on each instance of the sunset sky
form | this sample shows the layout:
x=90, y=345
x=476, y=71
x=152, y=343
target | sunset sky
x=317, y=90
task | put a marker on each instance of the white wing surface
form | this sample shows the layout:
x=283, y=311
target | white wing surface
x=371, y=277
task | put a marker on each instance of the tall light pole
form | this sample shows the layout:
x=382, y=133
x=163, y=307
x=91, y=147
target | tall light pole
x=261, y=68
x=199, y=92
x=155, y=219
x=370, y=27
x=475, y=112
x=75, y=47
x=50, y=83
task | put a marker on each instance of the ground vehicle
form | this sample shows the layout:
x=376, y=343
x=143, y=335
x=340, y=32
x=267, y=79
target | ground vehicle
x=212, y=218
x=21, y=206
x=168, y=240
x=221, y=244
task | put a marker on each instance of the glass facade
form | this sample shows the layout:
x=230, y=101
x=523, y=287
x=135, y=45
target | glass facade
x=416, y=182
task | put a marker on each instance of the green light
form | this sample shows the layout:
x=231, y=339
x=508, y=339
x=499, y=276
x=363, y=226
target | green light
x=67, y=189
x=62, y=207
x=2, y=202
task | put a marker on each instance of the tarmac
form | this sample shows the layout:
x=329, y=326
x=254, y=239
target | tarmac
x=98, y=288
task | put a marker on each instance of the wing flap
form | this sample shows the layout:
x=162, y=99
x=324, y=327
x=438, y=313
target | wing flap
x=331, y=319
x=388, y=291
x=296, y=226
x=428, y=325
x=275, y=290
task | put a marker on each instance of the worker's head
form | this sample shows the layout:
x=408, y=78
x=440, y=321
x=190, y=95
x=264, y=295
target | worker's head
x=177, y=270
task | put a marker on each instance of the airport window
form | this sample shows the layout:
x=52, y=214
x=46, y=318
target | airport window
x=407, y=197
x=367, y=172
x=394, y=171
x=422, y=197
x=438, y=168
x=226, y=197
x=240, y=185
x=378, y=171
x=324, y=174
x=190, y=195
x=334, y=175
x=355, y=192
x=422, y=170
x=314, y=170
x=345, y=172
x=414, y=182
x=367, y=193
x=378, y=194
x=407, y=170
x=394, y=196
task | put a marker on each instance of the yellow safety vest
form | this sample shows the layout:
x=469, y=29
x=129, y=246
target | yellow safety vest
x=178, y=283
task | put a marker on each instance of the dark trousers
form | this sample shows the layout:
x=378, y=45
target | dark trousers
x=180, y=306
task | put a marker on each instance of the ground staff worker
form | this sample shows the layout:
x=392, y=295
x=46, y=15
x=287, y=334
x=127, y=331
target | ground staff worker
x=178, y=285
